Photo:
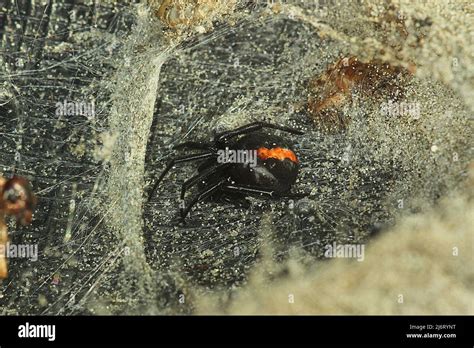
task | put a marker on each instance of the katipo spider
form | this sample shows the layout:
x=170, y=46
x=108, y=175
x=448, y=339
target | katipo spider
x=238, y=163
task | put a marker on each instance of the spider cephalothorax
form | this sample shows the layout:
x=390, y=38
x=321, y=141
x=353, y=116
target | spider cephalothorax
x=238, y=163
x=17, y=200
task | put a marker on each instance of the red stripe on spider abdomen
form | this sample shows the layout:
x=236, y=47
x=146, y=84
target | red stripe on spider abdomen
x=278, y=153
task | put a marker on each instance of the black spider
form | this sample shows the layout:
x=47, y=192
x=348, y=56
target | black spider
x=271, y=167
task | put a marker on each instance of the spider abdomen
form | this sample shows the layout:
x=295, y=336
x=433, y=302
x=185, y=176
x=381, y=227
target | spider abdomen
x=277, y=175
x=276, y=166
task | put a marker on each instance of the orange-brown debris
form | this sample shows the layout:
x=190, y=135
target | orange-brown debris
x=334, y=88
x=17, y=200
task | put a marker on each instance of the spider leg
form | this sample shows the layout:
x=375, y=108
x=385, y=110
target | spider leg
x=202, y=176
x=207, y=192
x=195, y=145
x=252, y=127
x=260, y=191
x=177, y=160
x=249, y=190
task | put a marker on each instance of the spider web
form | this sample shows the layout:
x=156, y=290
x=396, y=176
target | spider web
x=253, y=67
